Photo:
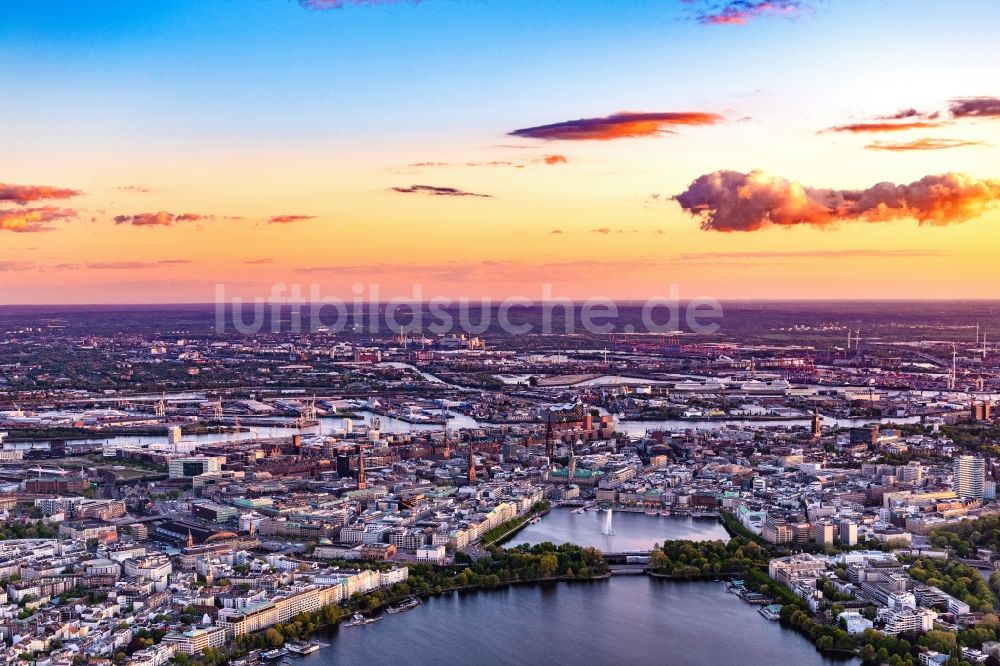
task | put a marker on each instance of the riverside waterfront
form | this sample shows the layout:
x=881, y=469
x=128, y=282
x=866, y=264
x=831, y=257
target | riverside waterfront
x=623, y=620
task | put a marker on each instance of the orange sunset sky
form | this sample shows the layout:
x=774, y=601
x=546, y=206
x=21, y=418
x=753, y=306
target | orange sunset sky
x=828, y=149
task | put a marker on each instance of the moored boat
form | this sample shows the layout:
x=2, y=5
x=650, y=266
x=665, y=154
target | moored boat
x=302, y=647
x=359, y=620
x=406, y=604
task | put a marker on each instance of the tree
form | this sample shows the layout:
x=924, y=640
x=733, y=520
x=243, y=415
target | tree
x=274, y=637
x=547, y=565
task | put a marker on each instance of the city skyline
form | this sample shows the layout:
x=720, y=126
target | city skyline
x=740, y=150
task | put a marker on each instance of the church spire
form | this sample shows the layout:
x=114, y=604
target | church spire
x=550, y=447
x=472, y=464
x=362, y=483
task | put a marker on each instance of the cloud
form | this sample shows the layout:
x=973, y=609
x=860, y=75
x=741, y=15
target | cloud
x=160, y=219
x=905, y=114
x=117, y=265
x=134, y=188
x=438, y=191
x=601, y=230
x=864, y=128
x=922, y=144
x=546, y=159
x=287, y=219
x=740, y=12
x=556, y=231
x=27, y=220
x=257, y=262
x=120, y=265
x=14, y=266
x=975, y=107
x=618, y=126
x=24, y=194
x=734, y=201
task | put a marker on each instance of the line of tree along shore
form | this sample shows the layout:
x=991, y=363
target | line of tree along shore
x=523, y=564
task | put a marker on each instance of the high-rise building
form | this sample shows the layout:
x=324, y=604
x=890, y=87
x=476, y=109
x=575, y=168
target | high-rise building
x=817, y=424
x=824, y=533
x=472, y=465
x=969, y=477
x=912, y=472
x=847, y=533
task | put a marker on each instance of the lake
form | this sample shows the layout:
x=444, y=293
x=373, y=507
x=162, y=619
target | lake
x=633, y=531
x=631, y=620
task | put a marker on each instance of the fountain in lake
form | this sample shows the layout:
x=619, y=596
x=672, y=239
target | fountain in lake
x=606, y=529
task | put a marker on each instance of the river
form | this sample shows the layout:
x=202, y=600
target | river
x=622, y=620
x=632, y=531
x=638, y=428
x=457, y=421
x=327, y=425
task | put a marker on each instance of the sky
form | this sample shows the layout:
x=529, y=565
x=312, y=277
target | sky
x=173, y=150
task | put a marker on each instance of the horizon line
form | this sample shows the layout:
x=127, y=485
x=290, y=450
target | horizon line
x=627, y=301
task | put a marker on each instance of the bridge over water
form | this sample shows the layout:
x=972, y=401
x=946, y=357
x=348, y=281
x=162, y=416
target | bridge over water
x=627, y=569
x=622, y=557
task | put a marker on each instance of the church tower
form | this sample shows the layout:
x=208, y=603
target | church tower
x=550, y=446
x=362, y=484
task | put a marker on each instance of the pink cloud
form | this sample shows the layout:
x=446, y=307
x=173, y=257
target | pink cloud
x=734, y=201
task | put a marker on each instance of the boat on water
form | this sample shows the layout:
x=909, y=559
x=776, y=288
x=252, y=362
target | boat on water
x=276, y=653
x=772, y=612
x=302, y=647
x=359, y=620
x=406, y=604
